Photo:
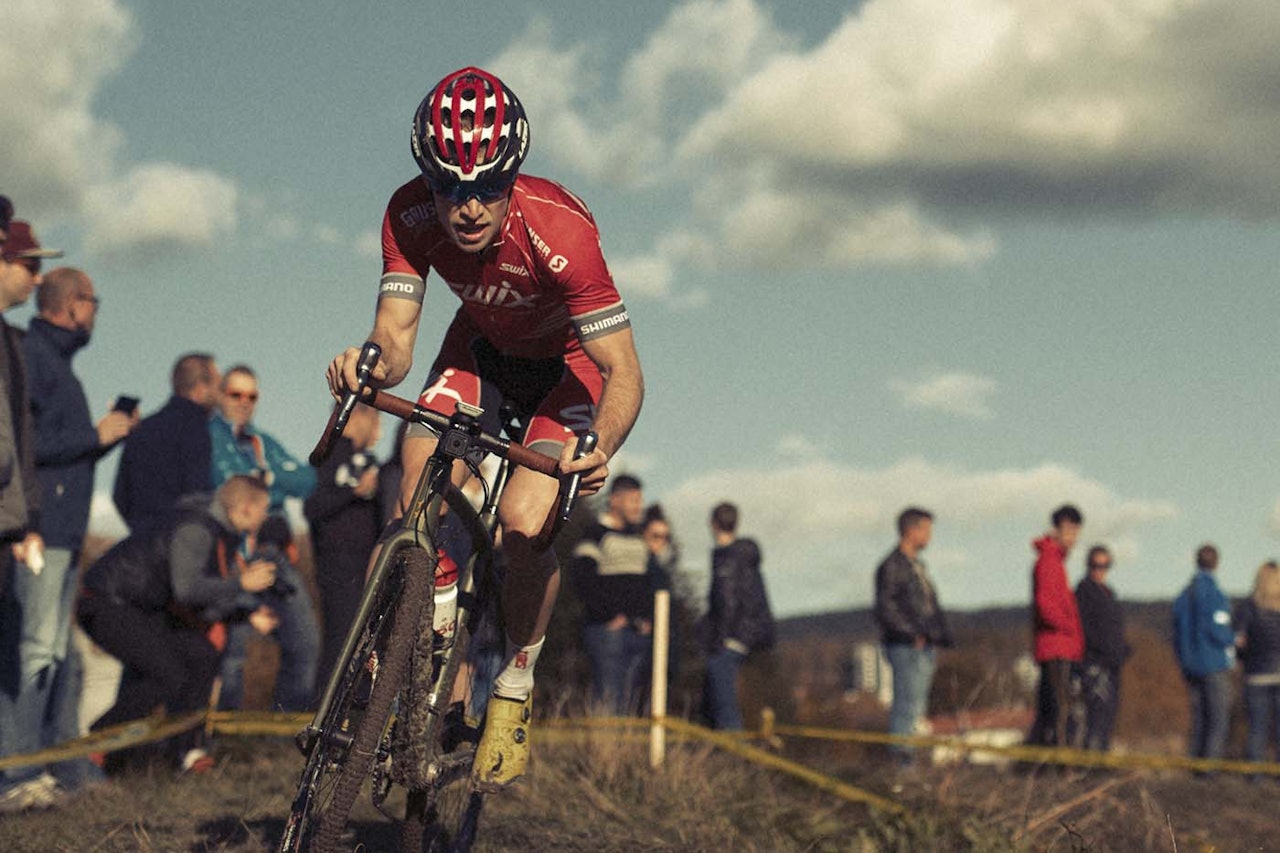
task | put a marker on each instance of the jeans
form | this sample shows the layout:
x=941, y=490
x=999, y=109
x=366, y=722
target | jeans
x=1263, y=704
x=1210, y=697
x=1053, y=704
x=617, y=666
x=1100, y=687
x=39, y=698
x=720, y=691
x=299, y=637
x=912, y=677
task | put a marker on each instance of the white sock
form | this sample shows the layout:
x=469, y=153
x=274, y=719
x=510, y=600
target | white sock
x=516, y=679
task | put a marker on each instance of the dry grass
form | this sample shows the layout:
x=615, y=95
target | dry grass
x=595, y=792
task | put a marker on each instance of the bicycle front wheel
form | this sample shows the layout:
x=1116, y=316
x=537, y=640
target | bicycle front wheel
x=344, y=752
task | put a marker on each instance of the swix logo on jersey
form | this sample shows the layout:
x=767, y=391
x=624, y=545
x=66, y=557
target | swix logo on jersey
x=558, y=263
x=494, y=295
x=417, y=216
x=513, y=269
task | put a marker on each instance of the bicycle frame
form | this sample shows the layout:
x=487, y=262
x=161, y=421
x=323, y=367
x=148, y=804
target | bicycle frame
x=414, y=524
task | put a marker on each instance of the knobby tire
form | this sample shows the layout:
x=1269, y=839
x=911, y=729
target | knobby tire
x=415, y=592
x=443, y=816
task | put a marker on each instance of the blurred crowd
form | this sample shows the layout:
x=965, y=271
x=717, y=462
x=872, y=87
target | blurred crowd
x=1080, y=647
x=210, y=560
x=210, y=557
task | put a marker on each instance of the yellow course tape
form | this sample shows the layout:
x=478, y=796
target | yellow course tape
x=153, y=729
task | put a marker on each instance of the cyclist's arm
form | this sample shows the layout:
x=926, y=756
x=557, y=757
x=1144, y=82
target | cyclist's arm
x=615, y=355
x=395, y=328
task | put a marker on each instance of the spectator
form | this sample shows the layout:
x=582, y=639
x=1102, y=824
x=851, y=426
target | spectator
x=1257, y=626
x=152, y=599
x=166, y=458
x=738, y=617
x=20, y=544
x=345, y=521
x=239, y=447
x=1105, y=650
x=68, y=444
x=610, y=570
x=664, y=565
x=912, y=624
x=1059, y=639
x=1205, y=645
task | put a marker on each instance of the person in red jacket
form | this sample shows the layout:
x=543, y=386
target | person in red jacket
x=1059, y=637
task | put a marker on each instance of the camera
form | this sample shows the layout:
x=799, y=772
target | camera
x=274, y=554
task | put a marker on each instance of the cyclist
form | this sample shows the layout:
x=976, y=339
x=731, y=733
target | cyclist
x=541, y=323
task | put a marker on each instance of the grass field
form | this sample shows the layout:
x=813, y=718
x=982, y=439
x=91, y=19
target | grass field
x=596, y=793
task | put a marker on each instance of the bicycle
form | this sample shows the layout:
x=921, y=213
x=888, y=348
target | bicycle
x=389, y=709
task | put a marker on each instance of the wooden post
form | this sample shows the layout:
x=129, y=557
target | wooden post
x=658, y=691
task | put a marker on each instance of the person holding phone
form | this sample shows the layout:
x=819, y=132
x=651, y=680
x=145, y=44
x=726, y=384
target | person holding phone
x=68, y=445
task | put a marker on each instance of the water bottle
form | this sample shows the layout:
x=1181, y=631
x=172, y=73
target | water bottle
x=445, y=622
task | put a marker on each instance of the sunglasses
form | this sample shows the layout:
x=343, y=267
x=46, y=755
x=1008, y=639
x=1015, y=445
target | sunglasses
x=32, y=264
x=251, y=396
x=484, y=191
x=1106, y=565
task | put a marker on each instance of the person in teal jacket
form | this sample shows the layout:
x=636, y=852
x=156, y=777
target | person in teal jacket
x=239, y=447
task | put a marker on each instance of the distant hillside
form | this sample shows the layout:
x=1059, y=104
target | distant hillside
x=858, y=623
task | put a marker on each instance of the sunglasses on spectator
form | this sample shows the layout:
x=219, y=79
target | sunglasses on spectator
x=251, y=396
x=458, y=192
x=32, y=264
x=1105, y=565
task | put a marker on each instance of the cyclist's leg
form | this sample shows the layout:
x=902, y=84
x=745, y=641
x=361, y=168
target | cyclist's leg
x=532, y=579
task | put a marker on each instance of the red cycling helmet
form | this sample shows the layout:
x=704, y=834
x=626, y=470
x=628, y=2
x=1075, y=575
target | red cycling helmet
x=470, y=135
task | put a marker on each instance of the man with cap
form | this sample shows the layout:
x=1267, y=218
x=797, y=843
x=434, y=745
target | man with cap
x=21, y=548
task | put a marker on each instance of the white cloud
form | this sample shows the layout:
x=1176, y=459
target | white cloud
x=821, y=501
x=957, y=393
x=1013, y=106
x=917, y=126
x=159, y=205
x=61, y=161
x=369, y=244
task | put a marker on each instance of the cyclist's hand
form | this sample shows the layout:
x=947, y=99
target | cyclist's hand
x=594, y=468
x=341, y=374
x=258, y=575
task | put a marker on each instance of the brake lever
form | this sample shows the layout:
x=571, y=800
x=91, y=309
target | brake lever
x=586, y=443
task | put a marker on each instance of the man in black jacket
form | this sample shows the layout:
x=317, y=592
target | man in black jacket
x=911, y=623
x=169, y=455
x=68, y=445
x=738, y=617
x=1105, y=649
x=345, y=518
x=155, y=601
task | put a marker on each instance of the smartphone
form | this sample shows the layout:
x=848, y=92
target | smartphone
x=126, y=404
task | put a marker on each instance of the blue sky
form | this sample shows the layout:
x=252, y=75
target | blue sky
x=985, y=256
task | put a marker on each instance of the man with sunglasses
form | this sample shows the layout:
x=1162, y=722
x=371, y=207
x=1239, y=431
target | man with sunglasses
x=1105, y=649
x=541, y=323
x=240, y=447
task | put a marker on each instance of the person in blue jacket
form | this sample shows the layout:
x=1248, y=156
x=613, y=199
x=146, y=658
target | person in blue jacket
x=1205, y=645
x=239, y=447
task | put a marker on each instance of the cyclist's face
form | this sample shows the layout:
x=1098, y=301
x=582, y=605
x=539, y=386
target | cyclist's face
x=471, y=225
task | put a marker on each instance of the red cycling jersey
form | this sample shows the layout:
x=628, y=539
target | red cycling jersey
x=543, y=291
